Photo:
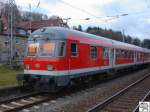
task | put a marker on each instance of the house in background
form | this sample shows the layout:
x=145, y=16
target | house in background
x=31, y=26
x=20, y=35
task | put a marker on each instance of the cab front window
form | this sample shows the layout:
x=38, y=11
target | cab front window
x=47, y=48
x=32, y=49
x=42, y=47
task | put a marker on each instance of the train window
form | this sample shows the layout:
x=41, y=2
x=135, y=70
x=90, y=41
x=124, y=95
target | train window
x=106, y=53
x=93, y=52
x=138, y=55
x=32, y=49
x=74, y=49
x=123, y=52
x=129, y=54
x=47, y=48
x=60, y=48
x=118, y=53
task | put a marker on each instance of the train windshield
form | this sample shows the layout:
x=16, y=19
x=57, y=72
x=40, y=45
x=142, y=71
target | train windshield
x=47, y=48
x=32, y=49
x=51, y=48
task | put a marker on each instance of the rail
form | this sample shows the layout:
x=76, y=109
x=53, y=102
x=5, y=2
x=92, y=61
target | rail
x=109, y=100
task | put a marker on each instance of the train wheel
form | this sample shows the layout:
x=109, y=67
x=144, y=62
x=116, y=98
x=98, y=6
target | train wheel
x=53, y=87
x=29, y=86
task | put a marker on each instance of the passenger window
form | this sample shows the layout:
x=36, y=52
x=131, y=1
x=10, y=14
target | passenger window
x=61, y=48
x=93, y=52
x=74, y=49
x=105, y=53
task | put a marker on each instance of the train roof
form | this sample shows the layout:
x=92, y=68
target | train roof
x=61, y=33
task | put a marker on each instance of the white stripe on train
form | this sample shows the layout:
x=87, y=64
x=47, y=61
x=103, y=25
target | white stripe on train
x=76, y=71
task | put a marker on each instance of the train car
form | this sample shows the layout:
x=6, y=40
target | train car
x=57, y=56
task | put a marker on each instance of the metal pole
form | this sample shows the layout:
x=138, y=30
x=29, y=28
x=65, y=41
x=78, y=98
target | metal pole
x=11, y=34
x=11, y=26
x=123, y=37
x=9, y=55
x=30, y=18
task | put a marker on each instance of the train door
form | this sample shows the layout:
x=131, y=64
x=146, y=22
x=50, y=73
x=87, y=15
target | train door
x=73, y=55
x=111, y=56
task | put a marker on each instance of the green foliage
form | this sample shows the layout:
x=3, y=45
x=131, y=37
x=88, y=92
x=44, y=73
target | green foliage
x=146, y=43
x=115, y=35
x=119, y=36
x=137, y=42
x=16, y=13
x=79, y=27
x=7, y=76
x=33, y=16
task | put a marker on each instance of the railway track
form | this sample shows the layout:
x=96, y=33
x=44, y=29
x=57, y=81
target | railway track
x=145, y=98
x=31, y=99
x=127, y=99
x=19, y=103
x=8, y=89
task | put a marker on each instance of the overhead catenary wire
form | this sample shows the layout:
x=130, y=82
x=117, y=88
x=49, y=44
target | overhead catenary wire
x=103, y=18
x=77, y=8
x=85, y=11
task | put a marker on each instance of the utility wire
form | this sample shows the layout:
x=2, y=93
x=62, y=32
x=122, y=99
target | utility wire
x=106, y=18
x=82, y=10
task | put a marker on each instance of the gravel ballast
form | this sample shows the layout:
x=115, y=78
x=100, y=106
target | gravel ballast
x=81, y=101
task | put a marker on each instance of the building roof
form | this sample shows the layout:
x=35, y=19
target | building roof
x=34, y=25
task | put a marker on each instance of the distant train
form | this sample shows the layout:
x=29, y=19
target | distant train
x=57, y=56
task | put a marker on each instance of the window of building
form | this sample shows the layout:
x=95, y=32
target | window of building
x=74, y=51
x=93, y=52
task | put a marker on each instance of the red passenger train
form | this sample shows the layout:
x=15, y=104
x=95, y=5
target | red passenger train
x=57, y=56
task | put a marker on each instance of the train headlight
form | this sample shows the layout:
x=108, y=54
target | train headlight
x=49, y=67
x=28, y=67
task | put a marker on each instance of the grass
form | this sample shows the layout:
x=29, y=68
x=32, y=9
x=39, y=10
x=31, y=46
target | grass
x=8, y=76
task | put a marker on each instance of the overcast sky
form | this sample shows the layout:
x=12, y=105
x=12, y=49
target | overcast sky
x=136, y=23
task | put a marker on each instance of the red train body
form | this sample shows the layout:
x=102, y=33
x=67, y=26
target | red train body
x=56, y=55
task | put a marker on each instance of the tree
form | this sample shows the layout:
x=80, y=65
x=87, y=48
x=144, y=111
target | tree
x=79, y=28
x=75, y=28
x=128, y=39
x=115, y=35
x=136, y=41
x=26, y=16
x=88, y=29
x=16, y=13
x=146, y=43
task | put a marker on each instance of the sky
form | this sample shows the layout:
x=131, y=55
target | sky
x=102, y=13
